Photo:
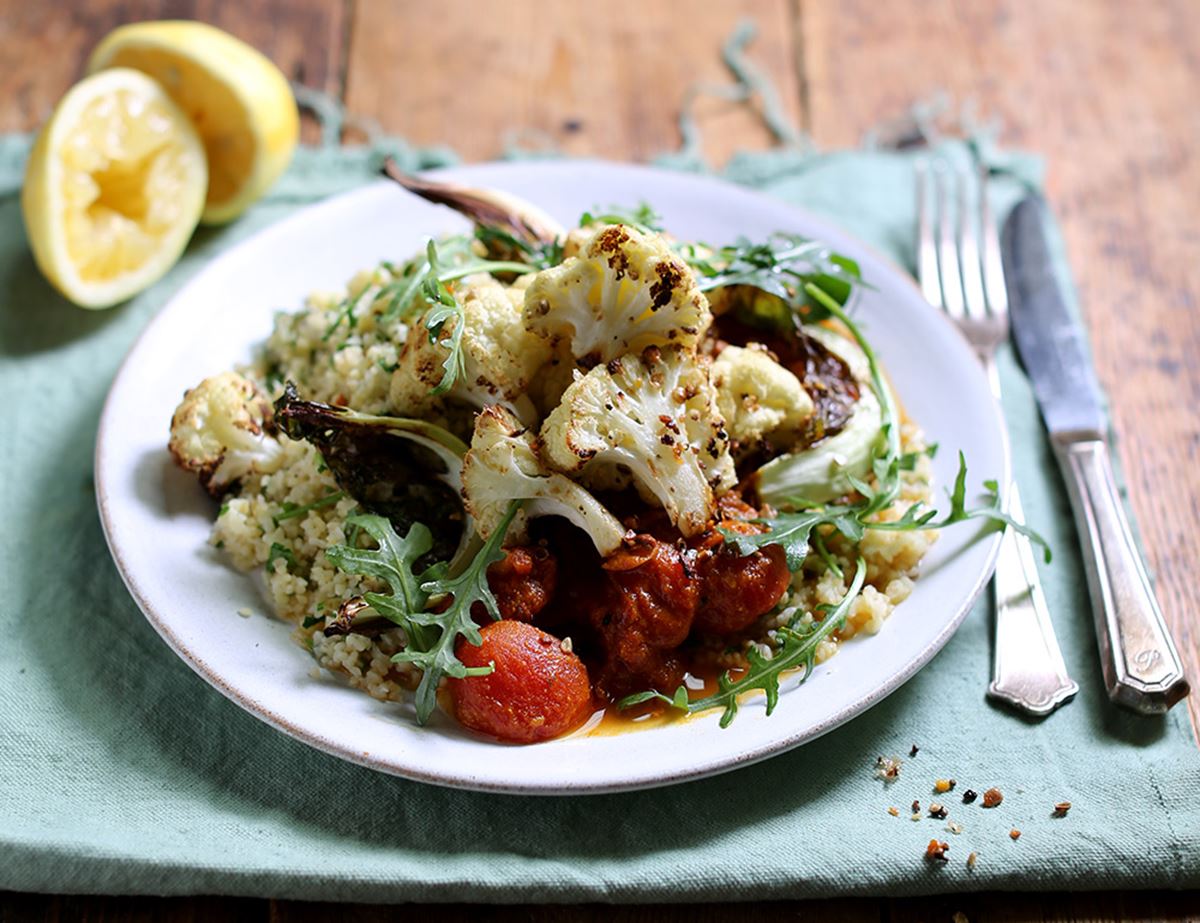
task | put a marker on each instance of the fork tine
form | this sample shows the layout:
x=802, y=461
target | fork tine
x=952, y=293
x=993, y=265
x=968, y=249
x=927, y=265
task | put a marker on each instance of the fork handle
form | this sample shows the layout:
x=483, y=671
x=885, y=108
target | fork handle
x=1027, y=669
x=1142, y=669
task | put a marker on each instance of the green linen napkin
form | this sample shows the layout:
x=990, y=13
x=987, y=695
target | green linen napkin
x=121, y=771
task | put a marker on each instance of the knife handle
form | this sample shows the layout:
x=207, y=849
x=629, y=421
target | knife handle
x=1142, y=669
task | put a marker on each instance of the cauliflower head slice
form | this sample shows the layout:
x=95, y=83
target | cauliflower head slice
x=222, y=431
x=502, y=465
x=656, y=416
x=757, y=396
x=624, y=291
x=500, y=357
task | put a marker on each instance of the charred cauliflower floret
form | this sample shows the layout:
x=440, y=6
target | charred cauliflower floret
x=502, y=465
x=757, y=396
x=500, y=356
x=827, y=469
x=624, y=291
x=656, y=417
x=222, y=431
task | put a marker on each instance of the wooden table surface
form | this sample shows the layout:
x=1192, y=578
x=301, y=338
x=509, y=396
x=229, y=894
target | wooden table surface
x=1106, y=90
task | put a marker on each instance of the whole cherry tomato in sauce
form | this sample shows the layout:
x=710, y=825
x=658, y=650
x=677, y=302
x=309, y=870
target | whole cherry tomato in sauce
x=539, y=688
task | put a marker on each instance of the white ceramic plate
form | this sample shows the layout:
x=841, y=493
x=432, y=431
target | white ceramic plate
x=157, y=519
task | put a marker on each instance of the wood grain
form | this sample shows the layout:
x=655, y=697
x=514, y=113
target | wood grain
x=603, y=80
x=44, y=46
x=1104, y=89
x=1108, y=96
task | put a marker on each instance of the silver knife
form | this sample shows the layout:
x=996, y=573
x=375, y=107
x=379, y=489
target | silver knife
x=1142, y=669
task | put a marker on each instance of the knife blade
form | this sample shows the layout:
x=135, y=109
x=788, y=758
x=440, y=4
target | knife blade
x=1048, y=339
x=1141, y=666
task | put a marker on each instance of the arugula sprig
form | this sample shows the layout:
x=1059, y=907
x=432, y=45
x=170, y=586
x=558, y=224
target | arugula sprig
x=797, y=647
x=793, y=531
x=783, y=266
x=427, y=276
x=642, y=217
x=292, y=510
x=445, y=307
x=537, y=254
x=433, y=607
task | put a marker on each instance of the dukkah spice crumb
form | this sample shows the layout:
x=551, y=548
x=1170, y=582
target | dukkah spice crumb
x=969, y=795
x=972, y=859
x=916, y=806
x=1014, y=833
x=914, y=751
x=992, y=797
x=887, y=768
x=936, y=851
x=1061, y=809
x=916, y=816
x=895, y=812
x=936, y=811
x=955, y=828
x=941, y=786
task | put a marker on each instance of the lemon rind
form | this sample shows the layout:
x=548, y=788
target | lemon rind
x=178, y=37
x=44, y=179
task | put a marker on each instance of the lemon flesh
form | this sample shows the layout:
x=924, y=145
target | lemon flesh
x=240, y=103
x=113, y=189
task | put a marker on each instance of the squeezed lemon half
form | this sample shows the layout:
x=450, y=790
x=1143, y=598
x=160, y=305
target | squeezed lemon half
x=240, y=103
x=113, y=189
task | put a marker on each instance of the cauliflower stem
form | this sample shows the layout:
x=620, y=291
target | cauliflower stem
x=503, y=465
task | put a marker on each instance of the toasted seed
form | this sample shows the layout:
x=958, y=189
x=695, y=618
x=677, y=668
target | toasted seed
x=887, y=768
x=992, y=797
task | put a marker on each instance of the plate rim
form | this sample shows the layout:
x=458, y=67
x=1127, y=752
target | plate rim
x=413, y=771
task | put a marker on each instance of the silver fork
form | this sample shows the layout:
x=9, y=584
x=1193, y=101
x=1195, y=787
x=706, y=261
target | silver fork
x=966, y=280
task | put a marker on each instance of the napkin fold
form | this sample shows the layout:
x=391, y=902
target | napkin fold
x=121, y=771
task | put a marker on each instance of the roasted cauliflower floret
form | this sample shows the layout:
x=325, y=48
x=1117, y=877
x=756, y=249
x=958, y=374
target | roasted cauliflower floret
x=222, y=431
x=624, y=291
x=655, y=416
x=502, y=465
x=757, y=396
x=500, y=357
x=827, y=469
